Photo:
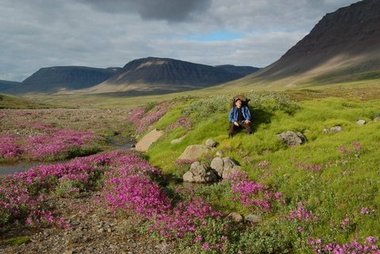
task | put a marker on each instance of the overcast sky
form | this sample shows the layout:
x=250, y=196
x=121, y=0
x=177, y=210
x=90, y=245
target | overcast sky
x=103, y=33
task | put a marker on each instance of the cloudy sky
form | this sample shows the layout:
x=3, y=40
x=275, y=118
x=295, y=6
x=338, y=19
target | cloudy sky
x=103, y=33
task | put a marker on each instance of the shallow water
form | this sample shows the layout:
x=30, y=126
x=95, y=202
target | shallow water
x=7, y=169
x=119, y=142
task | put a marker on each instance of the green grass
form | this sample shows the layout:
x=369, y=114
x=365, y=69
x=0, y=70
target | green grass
x=348, y=171
x=13, y=102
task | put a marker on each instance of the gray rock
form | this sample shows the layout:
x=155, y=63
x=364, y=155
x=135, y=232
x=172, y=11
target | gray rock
x=361, y=122
x=194, y=152
x=336, y=129
x=376, y=119
x=223, y=166
x=228, y=163
x=200, y=173
x=236, y=217
x=217, y=164
x=188, y=177
x=210, y=143
x=333, y=130
x=253, y=218
x=291, y=138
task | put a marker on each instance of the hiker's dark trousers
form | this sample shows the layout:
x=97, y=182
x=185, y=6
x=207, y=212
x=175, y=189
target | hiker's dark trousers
x=234, y=129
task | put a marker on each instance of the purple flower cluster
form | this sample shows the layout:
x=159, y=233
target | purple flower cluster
x=183, y=122
x=131, y=187
x=355, y=149
x=301, y=213
x=40, y=146
x=60, y=141
x=368, y=247
x=9, y=147
x=184, y=218
x=142, y=119
x=252, y=194
x=23, y=196
x=366, y=210
x=19, y=203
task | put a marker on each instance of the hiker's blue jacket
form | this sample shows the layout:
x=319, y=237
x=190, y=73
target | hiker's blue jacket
x=233, y=116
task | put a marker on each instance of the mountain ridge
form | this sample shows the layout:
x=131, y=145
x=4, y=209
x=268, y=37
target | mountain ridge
x=344, y=45
x=150, y=74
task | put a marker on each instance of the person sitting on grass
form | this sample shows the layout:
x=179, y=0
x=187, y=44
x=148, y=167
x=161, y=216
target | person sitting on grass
x=239, y=116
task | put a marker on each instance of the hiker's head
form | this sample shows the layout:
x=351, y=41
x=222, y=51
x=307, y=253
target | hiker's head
x=238, y=103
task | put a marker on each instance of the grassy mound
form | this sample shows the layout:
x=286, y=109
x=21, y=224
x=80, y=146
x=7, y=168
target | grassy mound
x=335, y=176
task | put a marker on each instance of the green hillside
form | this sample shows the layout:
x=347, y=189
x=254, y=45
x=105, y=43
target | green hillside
x=13, y=102
x=334, y=175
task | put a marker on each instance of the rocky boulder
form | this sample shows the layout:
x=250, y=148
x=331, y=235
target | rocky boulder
x=194, y=152
x=224, y=167
x=200, y=173
x=291, y=138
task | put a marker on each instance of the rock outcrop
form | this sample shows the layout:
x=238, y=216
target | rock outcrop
x=200, y=173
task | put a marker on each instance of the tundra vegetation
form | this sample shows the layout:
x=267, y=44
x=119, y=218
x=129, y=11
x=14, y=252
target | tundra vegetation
x=318, y=197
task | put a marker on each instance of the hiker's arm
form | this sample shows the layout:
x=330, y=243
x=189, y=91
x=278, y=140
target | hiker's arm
x=231, y=116
x=248, y=113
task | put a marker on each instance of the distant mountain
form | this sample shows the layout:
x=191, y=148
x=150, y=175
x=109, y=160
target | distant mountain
x=161, y=75
x=58, y=78
x=8, y=85
x=240, y=70
x=343, y=46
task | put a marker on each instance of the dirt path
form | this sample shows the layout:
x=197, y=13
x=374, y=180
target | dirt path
x=92, y=230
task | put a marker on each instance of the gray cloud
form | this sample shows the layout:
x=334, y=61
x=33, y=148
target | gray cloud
x=169, y=10
x=43, y=33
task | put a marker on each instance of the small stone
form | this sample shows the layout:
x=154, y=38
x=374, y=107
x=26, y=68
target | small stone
x=376, y=119
x=210, y=143
x=100, y=230
x=361, y=122
x=236, y=217
x=336, y=129
x=253, y=218
x=291, y=138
